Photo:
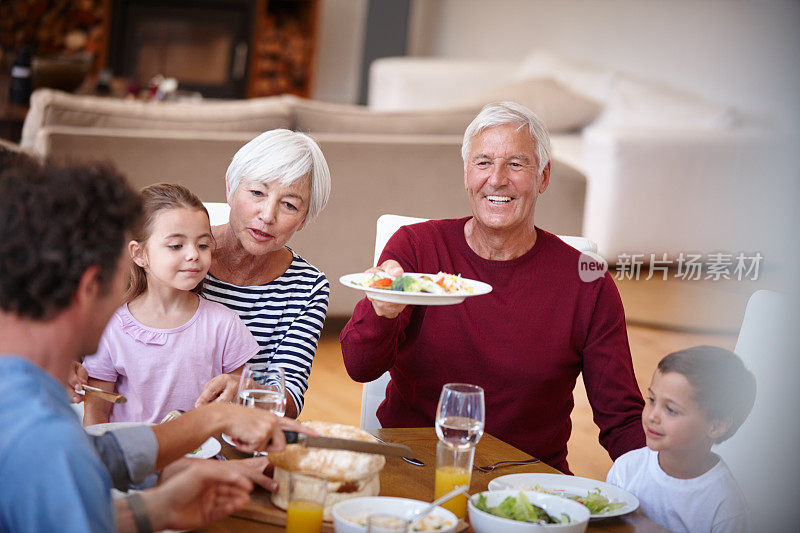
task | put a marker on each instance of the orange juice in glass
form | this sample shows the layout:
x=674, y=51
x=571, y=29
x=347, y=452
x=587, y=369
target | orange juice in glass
x=453, y=469
x=448, y=478
x=306, y=504
x=303, y=516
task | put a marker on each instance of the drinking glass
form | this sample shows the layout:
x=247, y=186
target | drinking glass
x=386, y=523
x=264, y=387
x=306, y=503
x=453, y=469
x=460, y=415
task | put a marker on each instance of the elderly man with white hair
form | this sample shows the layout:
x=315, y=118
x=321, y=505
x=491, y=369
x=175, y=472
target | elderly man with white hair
x=525, y=342
x=275, y=184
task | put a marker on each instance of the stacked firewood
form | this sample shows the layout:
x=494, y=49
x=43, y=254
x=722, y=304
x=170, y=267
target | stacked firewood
x=53, y=27
x=282, y=55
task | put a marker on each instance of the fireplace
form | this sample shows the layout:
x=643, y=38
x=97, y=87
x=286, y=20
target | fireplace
x=204, y=44
x=220, y=48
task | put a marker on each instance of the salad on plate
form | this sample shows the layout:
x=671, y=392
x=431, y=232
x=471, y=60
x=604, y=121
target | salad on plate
x=414, y=288
x=602, y=499
x=441, y=283
x=594, y=499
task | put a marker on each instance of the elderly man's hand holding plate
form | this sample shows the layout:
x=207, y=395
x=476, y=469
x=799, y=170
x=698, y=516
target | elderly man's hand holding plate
x=388, y=299
x=382, y=307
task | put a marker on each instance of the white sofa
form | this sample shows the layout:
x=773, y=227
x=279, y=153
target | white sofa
x=666, y=171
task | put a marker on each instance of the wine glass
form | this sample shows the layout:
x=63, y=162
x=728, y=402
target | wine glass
x=263, y=386
x=460, y=415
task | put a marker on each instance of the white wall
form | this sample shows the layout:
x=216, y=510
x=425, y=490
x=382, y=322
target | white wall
x=339, y=50
x=742, y=52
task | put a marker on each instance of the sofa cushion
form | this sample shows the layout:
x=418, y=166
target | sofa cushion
x=560, y=109
x=322, y=117
x=400, y=83
x=56, y=108
x=583, y=78
x=197, y=159
x=641, y=104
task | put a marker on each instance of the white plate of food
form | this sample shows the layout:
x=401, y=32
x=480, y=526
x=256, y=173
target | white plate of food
x=207, y=450
x=413, y=288
x=604, y=500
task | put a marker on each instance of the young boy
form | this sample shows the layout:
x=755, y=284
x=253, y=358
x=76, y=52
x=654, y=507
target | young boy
x=697, y=397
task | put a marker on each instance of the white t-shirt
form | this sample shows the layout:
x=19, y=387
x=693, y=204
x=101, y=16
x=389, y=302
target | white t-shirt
x=712, y=502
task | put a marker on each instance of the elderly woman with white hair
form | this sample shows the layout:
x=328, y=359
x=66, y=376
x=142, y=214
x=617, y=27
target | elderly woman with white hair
x=525, y=342
x=275, y=185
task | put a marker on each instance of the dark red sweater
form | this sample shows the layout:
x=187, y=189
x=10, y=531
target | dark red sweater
x=525, y=343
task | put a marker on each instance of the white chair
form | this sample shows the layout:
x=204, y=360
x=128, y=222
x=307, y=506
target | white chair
x=218, y=212
x=374, y=392
x=763, y=454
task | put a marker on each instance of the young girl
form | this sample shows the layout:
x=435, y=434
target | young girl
x=166, y=344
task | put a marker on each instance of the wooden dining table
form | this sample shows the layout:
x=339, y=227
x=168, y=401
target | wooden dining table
x=401, y=479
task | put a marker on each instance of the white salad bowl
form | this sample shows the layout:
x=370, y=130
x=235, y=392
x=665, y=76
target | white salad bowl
x=349, y=516
x=483, y=522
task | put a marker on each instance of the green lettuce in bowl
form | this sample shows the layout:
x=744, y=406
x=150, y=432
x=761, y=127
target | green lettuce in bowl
x=519, y=508
x=514, y=511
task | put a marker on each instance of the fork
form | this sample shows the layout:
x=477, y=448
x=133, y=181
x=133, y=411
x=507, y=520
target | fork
x=489, y=468
x=105, y=395
x=172, y=415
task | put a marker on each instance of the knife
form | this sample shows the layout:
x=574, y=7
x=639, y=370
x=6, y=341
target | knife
x=105, y=395
x=398, y=450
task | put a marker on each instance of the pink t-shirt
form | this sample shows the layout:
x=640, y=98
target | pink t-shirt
x=159, y=370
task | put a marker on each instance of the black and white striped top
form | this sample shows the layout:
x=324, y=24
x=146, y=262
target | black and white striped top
x=285, y=316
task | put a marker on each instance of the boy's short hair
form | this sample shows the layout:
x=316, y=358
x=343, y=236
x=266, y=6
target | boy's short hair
x=723, y=387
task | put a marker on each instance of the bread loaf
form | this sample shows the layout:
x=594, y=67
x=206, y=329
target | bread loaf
x=349, y=474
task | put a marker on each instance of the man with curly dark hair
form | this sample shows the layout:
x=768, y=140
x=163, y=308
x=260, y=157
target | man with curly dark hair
x=63, y=272
x=58, y=224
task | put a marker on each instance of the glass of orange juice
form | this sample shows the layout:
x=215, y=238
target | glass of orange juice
x=453, y=469
x=306, y=503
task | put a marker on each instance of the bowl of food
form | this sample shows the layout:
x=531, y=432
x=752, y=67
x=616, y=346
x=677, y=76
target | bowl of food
x=513, y=511
x=350, y=516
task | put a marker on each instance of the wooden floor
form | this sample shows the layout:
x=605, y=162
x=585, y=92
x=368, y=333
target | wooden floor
x=664, y=316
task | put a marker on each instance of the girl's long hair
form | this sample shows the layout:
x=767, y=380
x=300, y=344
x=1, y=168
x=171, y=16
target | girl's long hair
x=157, y=198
